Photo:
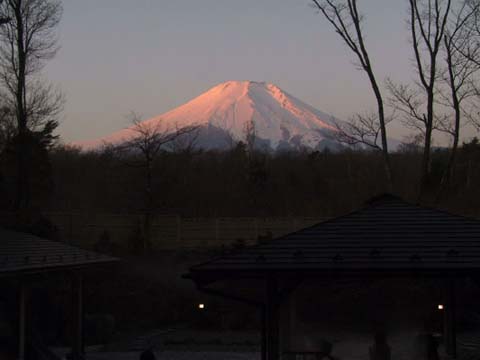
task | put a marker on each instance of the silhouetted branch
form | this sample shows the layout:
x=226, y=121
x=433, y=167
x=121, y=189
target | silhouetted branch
x=149, y=139
x=345, y=18
x=409, y=103
x=28, y=40
x=186, y=142
x=360, y=130
x=459, y=76
x=428, y=22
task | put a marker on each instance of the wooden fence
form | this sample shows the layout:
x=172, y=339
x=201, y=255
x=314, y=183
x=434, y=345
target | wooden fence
x=170, y=232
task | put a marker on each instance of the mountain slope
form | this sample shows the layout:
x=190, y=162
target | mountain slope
x=280, y=119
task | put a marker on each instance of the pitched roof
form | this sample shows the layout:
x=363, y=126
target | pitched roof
x=386, y=234
x=20, y=252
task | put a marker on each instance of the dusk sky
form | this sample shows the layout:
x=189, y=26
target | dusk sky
x=150, y=56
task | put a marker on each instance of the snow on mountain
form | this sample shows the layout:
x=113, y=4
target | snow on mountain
x=280, y=119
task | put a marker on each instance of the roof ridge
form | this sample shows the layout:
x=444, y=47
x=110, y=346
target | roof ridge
x=384, y=197
x=276, y=239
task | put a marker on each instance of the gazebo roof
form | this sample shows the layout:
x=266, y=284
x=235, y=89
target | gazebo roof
x=25, y=253
x=387, y=234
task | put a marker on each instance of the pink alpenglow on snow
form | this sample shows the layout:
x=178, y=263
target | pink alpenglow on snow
x=280, y=119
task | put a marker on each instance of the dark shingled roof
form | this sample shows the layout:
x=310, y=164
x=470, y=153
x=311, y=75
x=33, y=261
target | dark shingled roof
x=386, y=234
x=20, y=252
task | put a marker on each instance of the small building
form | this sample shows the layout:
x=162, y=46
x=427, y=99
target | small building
x=389, y=252
x=26, y=261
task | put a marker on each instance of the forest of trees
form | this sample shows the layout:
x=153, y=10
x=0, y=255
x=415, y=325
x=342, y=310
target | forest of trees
x=241, y=183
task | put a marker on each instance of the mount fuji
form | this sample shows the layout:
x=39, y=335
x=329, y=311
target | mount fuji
x=281, y=121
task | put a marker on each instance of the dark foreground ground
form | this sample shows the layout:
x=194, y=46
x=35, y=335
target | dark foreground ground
x=171, y=344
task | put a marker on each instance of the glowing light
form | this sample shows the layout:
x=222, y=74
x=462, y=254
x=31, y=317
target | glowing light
x=440, y=307
x=201, y=306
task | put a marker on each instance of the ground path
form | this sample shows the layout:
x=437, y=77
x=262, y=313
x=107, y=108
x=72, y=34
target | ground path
x=177, y=355
x=191, y=345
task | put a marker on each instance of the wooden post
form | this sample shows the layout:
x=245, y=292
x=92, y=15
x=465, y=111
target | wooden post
x=77, y=345
x=179, y=231
x=263, y=314
x=289, y=322
x=450, y=335
x=70, y=230
x=272, y=319
x=22, y=317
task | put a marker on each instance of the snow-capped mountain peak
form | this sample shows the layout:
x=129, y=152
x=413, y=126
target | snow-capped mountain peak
x=279, y=118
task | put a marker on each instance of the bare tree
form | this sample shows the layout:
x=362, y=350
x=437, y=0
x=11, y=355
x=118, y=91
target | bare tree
x=427, y=21
x=346, y=19
x=361, y=129
x=474, y=115
x=409, y=102
x=27, y=41
x=459, y=75
x=250, y=134
x=149, y=140
x=185, y=143
x=470, y=49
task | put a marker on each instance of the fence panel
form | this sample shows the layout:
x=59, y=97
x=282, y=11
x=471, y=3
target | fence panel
x=169, y=232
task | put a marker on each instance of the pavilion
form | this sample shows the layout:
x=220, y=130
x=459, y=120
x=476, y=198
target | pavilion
x=26, y=260
x=388, y=238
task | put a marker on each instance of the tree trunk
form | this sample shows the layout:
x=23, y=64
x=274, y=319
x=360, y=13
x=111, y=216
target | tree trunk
x=383, y=131
x=448, y=174
x=22, y=196
x=426, y=161
x=148, y=208
x=386, y=155
x=425, y=179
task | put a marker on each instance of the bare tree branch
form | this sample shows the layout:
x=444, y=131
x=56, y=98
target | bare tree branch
x=344, y=17
x=28, y=40
x=460, y=70
x=151, y=137
x=427, y=21
x=360, y=130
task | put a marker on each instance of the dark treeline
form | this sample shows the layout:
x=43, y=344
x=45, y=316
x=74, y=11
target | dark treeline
x=240, y=183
